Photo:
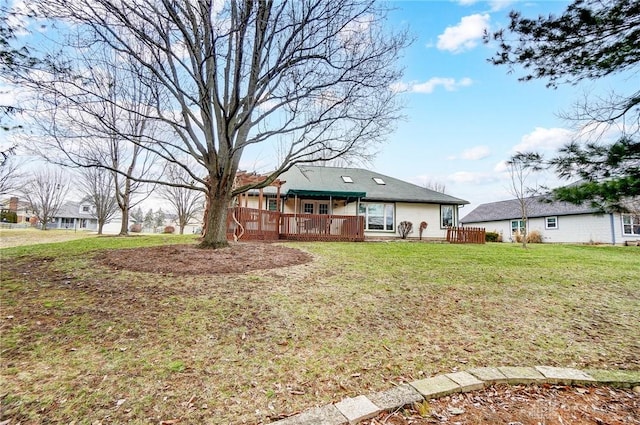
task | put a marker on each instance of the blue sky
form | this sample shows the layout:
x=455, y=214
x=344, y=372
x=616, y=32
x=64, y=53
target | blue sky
x=464, y=116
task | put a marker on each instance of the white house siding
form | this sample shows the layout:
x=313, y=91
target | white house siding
x=585, y=228
x=620, y=237
x=417, y=213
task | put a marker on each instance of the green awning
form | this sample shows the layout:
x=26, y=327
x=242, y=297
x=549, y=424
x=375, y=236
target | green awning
x=325, y=193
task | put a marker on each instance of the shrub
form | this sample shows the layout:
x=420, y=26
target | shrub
x=8, y=217
x=404, y=228
x=135, y=228
x=423, y=227
x=534, y=236
x=169, y=229
x=491, y=236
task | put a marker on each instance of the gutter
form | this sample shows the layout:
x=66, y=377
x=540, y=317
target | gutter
x=613, y=231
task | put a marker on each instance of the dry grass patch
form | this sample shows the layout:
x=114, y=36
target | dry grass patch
x=82, y=341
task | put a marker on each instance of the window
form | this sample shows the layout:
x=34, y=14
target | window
x=272, y=204
x=378, y=216
x=347, y=179
x=551, y=223
x=518, y=226
x=447, y=218
x=311, y=207
x=630, y=224
x=85, y=208
x=378, y=180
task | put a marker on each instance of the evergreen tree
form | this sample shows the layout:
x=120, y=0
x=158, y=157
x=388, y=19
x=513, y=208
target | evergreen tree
x=591, y=40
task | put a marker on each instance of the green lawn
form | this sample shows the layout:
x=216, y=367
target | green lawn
x=80, y=341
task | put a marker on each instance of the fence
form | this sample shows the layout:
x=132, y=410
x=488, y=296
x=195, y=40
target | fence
x=466, y=235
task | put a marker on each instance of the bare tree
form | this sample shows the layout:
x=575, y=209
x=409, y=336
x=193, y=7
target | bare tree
x=312, y=76
x=11, y=175
x=521, y=166
x=98, y=185
x=185, y=202
x=100, y=119
x=45, y=191
x=436, y=186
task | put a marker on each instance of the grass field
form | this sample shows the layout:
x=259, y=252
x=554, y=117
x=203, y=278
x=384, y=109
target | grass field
x=82, y=342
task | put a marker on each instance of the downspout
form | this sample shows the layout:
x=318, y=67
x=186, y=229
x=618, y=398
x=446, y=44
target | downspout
x=613, y=231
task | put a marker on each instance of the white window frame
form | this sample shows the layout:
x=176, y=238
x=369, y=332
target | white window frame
x=630, y=224
x=521, y=225
x=454, y=220
x=555, y=222
x=388, y=210
x=316, y=206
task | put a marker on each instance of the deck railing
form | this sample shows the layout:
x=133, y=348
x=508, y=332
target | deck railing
x=252, y=224
x=466, y=235
x=322, y=227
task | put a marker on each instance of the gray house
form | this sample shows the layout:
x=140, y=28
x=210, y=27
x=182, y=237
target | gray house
x=558, y=222
x=74, y=216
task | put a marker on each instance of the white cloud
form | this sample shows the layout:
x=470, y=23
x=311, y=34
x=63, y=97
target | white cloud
x=546, y=139
x=501, y=167
x=475, y=153
x=449, y=84
x=470, y=177
x=497, y=5
x=465, y=35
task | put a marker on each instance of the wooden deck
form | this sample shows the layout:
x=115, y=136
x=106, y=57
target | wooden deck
x=252, y=224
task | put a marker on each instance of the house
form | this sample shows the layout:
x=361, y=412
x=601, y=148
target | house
x=383, y=201
x=558, y=222
x=76, y=216
x=21, y=209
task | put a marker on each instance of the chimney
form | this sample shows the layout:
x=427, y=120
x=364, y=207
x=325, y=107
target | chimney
x=13, y=204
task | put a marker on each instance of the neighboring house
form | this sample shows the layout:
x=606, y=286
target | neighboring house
x=383, y=201
x=22, y=209
x=76, y=216
x=558, y=222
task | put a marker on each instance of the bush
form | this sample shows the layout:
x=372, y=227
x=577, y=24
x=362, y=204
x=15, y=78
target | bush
x=404, y=228
x=9, y=217
x=491, y=236
x=135, y=228
x=423, y=227
x=534, y=236
x=169, y=229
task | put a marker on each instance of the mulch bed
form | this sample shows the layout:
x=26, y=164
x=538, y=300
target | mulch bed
x=192, y=260
x=524, y=405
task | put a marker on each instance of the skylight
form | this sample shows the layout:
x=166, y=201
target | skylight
x=347, y=179
x=378, y=180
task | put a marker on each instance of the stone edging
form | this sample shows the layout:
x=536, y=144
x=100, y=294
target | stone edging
x=355, y=409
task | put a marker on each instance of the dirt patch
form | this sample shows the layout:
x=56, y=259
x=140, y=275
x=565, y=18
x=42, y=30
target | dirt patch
x=524, y=405
x=191, y=260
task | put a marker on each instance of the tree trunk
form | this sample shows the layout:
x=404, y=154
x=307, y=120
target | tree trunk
x=124, y=227
x=100, y=226
x=215, y=235
x=181, y=229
